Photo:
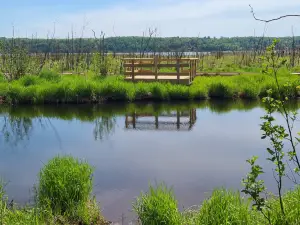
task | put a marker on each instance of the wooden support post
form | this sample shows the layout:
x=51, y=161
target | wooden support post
x=133, y=120
x=191, y=119
x=132, y=70
x=178, y=120
x=156, y=122
x=126, y=122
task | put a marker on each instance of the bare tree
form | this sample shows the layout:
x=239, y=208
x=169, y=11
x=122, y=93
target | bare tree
x=47, y=52
x=146, y=40
x=273, y=19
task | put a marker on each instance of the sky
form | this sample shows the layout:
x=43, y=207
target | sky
x=188, y=18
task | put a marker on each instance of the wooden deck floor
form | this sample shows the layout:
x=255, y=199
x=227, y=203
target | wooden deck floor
x=171, y=79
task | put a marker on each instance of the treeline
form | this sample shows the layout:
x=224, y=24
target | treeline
x=147, y=44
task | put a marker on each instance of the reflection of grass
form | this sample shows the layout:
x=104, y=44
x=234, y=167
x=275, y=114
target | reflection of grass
x=53, y=88
x=92, y=112
x=95, y=112
x=16, y=129
x=16, y=122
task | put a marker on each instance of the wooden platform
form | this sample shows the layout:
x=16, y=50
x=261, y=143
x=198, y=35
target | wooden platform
x=180, y=70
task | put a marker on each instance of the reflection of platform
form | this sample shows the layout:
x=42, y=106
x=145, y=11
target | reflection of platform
x=175, y=120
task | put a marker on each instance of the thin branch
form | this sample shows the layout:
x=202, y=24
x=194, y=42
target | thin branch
x=271, y=20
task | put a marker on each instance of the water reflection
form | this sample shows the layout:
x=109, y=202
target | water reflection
x=16, y=129
x=17, y=123
x=104, y=127
x=167, y=121
x=221, y=136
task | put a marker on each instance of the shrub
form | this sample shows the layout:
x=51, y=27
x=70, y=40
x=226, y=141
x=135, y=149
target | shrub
x=159, y=91
x=157, y=207
x=65, y=185
x=221, y=90
x=198, y=92
x=28, y=80
x=14, y=92
x=50, y=75
x=142, y=91
x=112, y=90
x=249, y=90
x=28, y=94
x=288, y=89
x=2, y=78
x=178, y=92
x=267, y=86
x=3, y=89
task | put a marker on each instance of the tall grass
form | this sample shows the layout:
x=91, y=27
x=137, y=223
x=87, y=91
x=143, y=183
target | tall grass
x=11, y=215
x=291, y=201
x=157, y=206
x=50, y=87
x=224, y=207
x=50, y=75
x=2, y=78
x=62, y=197
x=65, y=186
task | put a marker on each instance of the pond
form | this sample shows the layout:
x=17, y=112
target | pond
x=193, y=147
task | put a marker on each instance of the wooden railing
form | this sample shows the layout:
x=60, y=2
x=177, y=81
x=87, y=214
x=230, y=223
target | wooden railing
x=150, y=68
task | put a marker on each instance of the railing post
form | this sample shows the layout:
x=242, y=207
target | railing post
x=155, y=66
x=132, y=69
x=190, y=70
x=178, y=70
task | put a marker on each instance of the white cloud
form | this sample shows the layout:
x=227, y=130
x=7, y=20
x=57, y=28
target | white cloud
x=176, y=18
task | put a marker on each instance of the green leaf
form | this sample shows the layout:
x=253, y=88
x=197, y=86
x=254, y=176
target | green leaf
x=270, y=151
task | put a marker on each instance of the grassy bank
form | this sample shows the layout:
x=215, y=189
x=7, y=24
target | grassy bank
x=63, y=196
x=159, y=206
x=50, y=87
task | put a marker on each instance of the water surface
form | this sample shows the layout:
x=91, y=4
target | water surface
x=192, y=147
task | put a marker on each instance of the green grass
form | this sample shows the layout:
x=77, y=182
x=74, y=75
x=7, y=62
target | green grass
x=63, y=196
x=291, y=201
x=157, y=206
x=50, y=87
x=223, y=207
x=65, y=186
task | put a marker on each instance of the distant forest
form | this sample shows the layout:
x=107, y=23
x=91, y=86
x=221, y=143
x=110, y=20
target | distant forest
x=146, y=44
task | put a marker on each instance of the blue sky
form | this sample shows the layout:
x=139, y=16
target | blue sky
x=124, y=18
